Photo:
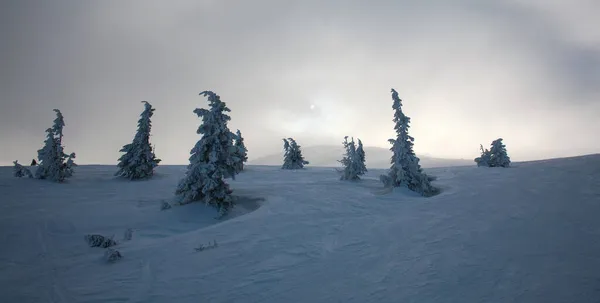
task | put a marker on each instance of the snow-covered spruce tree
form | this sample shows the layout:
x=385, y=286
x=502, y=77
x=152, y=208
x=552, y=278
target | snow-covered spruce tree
x=21, y=171
x=293, y=158
x=498, y=155
x=484, y=159
x=241, y=151
x=52, y=157
x=360, y=154
x=212, y=159
x=405, y=169
x=286, y=152
x=139, y=159
x=346, y=161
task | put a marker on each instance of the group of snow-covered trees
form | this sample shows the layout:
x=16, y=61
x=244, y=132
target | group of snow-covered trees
x=353, y=160
x=220, y=154
x=405, y=170
x=494, y=157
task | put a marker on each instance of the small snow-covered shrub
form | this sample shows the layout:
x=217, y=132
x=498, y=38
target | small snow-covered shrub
x=203, y=247
x=164, y=205
x=128, y=234
x=21, y=171
x=112, y=255
x=99, y=241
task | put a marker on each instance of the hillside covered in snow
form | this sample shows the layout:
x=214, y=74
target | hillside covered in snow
x=528, y=233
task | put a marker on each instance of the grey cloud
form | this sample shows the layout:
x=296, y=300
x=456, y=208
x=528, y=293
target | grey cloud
x=468, y=71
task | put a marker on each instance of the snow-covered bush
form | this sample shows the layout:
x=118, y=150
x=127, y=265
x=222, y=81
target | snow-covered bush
x=405, y=170
x=353, y=167
x=292, y=158
x=495, y=157
x=99, y=241
x=139, y=160
x=212, y=160
x=112, y=255
x=51, y=157
x=21, y=171
x=203, y=247
x=164, y=205
x=240, y=150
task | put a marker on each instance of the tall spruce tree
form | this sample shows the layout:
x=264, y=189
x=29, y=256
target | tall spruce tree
x=212, y=160
x=293, y=158
x=241, y=151
x=405, y=170
x=51, y=157
x=139, y=160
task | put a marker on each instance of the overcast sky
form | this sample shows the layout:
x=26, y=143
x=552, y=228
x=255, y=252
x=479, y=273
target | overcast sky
x=468, y=72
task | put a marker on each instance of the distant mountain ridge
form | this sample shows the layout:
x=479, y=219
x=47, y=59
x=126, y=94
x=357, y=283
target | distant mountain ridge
x=376, y=157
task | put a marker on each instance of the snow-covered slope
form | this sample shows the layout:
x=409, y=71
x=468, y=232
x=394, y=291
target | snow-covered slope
x=377, y=157
x=524, y=234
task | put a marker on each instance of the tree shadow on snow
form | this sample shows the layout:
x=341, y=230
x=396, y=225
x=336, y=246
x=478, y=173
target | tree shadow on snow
x=193, y=216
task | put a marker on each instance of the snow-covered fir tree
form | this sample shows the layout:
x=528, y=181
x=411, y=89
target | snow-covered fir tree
x=405, y=170
x=292, y=158
x=212, y=160
x=498, y=154
x=351, y=161
x=21, y=171
x=241, y=151
x=360, y=154
x=139, y=160
x=484, y=158
x=51, y=157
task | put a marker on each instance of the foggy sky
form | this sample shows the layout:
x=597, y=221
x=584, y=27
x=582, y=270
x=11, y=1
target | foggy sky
x=468, y=72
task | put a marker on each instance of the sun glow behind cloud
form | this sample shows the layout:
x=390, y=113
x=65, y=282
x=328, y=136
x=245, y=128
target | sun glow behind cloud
x=326, y=116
